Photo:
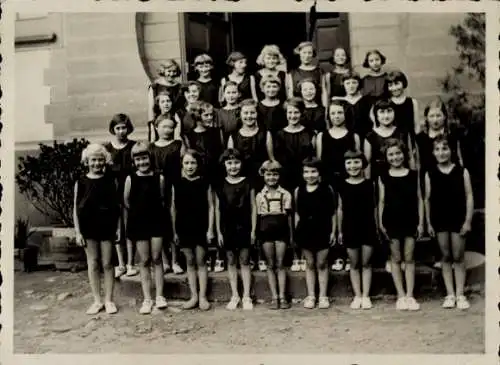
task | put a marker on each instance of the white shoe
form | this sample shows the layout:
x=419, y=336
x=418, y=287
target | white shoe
x=177, y=269
x=449, y=301
x=161, y=303
x=219, y=266
x=233, y=303
x=309, y=302
x=146, y=307
x=262, y=265
x=295, y=266
x=131, y=271
x=347, y=266
x=462, y=302
x=120, y=271
x=356, y=303
x=338, y=265
x=366, y=303
x=412, y=304
x=323, y=303
x=437, y=265
x=401, y=304
x=247, y=303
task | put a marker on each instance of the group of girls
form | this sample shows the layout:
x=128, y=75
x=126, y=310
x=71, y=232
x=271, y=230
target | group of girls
x=310, y=161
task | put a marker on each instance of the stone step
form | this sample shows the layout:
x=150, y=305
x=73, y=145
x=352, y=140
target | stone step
x=428, y=283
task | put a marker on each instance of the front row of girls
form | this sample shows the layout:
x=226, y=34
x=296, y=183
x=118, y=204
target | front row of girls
x=352, y=215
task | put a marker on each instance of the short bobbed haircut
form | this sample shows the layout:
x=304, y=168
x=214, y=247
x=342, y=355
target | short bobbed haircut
x=168, y=64
x=301, y=45
x=230, y=154
x=273, y=50
x=94, y=149
x=248, y=102
x=196, y=155
x=369, y=53
x=354, y=155
x=164, y=117
x=270, y=166
x=234, y=57
x=296, y=102
x=436, y=103
x=396, y=76
x=120, y=118
x=312, y=162
x=351, y=75
x=382, y=104
x=187, y=85
x=269, y=79
x=140, y=149
x=347, y=56
x=203, y=58
x=393, y=142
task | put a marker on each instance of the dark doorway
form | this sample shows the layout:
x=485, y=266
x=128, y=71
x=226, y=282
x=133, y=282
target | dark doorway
x=252, y=31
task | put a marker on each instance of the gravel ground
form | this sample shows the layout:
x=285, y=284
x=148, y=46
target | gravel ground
x=50, y=318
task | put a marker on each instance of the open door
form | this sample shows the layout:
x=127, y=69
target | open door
x=207, y=33
x=331, y=31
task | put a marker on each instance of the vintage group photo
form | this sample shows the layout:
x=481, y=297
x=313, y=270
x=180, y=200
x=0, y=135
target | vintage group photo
x=249, y=182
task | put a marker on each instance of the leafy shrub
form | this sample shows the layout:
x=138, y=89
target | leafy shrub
x=48, y=179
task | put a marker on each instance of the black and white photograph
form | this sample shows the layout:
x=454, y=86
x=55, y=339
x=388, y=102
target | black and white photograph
x=250, y=182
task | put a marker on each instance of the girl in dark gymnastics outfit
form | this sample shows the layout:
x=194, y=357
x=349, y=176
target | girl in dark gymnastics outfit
x=253, y=141
x=271, y=114
x=314, y=118
x=358, y=226
x=145, y=221
x=192, y=215
x=307, y=69
x=121, y=127
x=165, y=157
x=292, y=145
x=331, y=146
x=191, y=92
x=237, y=62
x=359, y=106
x=271, y=59
x=235, y=220
x=315, y=221
x=274, y=205
x=206, y=138
x=164, y=106
x=401, y=217
x=209, y=88
x=167, y=82
x=449, y=206
x=97, y=223
x=374, y=81
x=333, y=79
x=228, y=117
x=406, y=116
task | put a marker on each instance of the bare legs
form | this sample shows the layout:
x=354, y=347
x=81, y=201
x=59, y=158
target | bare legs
x=275, y=254
x=92, y=250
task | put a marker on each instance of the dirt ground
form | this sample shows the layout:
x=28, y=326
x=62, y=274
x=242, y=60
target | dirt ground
x=50, y=318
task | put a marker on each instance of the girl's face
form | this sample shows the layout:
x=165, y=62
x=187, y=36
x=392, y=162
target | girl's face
x=310, y=175
x=337, y=115
x=385, y=117
x=170, y=73
x=142, y=163
x=164, y=103
x=442, y=152
x=351, y=86
x=270, y=61
x=354, y=166
x=271, y=89
x=435, y=118
x=121, y=131
x=96, y=163
x=396, y=88
x=306, y=55
x=248, y=115
x=394, y=156
x=271, y=178
x=233, y=167
x=204, y=69
x=192, y=94
x=292, y=115
x=240, y=66
x=340, y=57
x=231, y=94
x=189, y=165
x=207, y=117
x=165, y=129
x=374, y=62
x=308, y=91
